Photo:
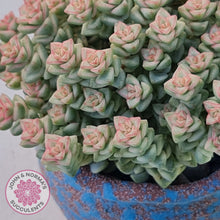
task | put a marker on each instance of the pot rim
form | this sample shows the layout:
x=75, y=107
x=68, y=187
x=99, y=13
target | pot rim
x=114, y=189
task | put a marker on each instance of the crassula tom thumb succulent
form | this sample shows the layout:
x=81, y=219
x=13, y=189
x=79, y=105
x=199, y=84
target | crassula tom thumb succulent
x=128, y=85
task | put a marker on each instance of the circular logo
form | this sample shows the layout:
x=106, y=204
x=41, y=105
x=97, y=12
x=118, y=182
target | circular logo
x=27, y=192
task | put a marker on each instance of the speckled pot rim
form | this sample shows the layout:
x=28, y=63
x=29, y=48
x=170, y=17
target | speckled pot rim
x=114, y=189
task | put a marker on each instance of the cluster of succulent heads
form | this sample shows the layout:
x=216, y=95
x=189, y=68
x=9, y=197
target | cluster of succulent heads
x=128, y=85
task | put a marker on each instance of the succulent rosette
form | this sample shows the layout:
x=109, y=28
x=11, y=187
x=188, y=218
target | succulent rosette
x=153, y=56
x=213, y=142
x=213, y=109
x=16, y=53
x=137, y=92
x=6, y=112
x=65, y=119
x=194, y=13
x=183, y=85
x=181, y=123
x=64, y=57
x=99, y=68
x=132, y=139
x=63, y=153
x=128, y=133
x=80, y=11
x=31, y=15
x=97, y=142
x=34, y=130
x=126, y=39
x=63, y=95
x=197, y=10
x=113, y=10
x=188, y=132
x=56, y=6
x=155, y=61
x=94, y=101
x=198, y=61
x=94, y=62
x=57, y=114
x=66, y=94
x=201, y=64
x=144, y=11
x=166, y=30
x=12, y=111
x=39, y=89
x=36, y=93
x=211, y=40
x=8, y=27
x=12, y=80
x=98, y=103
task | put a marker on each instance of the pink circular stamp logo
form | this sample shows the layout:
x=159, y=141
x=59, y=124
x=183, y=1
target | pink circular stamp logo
x=27, y=192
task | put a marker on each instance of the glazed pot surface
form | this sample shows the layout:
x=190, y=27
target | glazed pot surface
x=98, y=197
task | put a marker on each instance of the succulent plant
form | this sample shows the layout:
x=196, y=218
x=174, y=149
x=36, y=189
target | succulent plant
x=80, y=11
x=6, y=112
x=8, y=27
x=196, y=15
x=201, y=64
x=97, y=142
x=64, y=57
x=16, y=53
x=137, y=92
x=34, y=130
x=166, y=30
x=12, y=80
x=128, y=85
x=63, y=153
x=144, y=11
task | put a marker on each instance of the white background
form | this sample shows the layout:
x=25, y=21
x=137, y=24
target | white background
x=14, y=158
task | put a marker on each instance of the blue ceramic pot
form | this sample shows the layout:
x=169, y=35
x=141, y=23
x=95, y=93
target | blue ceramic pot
x=97, y=197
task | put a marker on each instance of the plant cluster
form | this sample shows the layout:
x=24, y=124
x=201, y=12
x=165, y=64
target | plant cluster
x=132, y=85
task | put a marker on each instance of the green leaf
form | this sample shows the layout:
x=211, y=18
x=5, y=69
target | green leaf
x=16, y=128
x=157, y=77
x=71, y=129
x=196, y=124
x=77, y=103
x=143, y=104
x=127, y=168
x=98, y=167
x=187, y=146
x=119, y=80
x=165, y=63
x=119, y=51
x=140, y=177
x=106, y=78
